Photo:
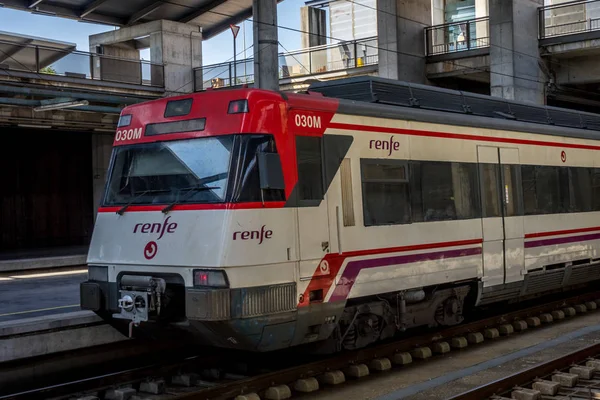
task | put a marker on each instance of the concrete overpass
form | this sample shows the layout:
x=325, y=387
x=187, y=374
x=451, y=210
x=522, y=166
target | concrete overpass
x=528, y=50
x=173, y=30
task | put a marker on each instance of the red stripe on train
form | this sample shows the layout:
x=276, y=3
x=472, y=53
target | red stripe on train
x=188, y=207
x=462, y=136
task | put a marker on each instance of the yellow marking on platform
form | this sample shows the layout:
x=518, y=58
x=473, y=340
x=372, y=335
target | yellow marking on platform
x=38, y=310
x=73, y=272
x=5, y=279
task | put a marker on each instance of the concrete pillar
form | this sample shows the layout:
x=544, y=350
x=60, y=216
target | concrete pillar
x=179, y=48
x=313, y=24
x=266, y=44
x=101, y=151
x=514, y=56
x=402, y=39
x=175, y=45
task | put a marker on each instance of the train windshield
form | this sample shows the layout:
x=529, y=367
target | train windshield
x=183, y=171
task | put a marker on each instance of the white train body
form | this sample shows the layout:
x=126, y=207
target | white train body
x=423, y=213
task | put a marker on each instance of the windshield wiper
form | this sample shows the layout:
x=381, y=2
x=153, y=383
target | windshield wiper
x=189, y=190
x=122, y=209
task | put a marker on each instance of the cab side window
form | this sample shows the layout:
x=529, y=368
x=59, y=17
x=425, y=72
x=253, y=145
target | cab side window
x=309, y=157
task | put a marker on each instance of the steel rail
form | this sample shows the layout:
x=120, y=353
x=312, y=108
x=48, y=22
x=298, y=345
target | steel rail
x=282, y=377
x=163, y=366
x=521, y=378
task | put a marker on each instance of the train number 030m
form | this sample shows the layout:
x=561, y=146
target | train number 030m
x=307, y=121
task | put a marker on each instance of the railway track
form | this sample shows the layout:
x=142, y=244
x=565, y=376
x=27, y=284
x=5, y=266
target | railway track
x=211, y=378
x=573, y=376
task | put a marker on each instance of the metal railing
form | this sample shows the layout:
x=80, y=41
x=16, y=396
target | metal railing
x=78, y=64
x=315, y=60
x=569, y=18
x=458, y=36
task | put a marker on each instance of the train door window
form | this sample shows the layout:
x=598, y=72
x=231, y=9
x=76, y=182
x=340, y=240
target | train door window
x=310, y=168
x=511, y=177
x=347, y=194
x=580, y=189
x=385, y=192
x=490, y=194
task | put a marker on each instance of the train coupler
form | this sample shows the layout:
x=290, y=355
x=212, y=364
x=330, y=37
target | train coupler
x=139, y=296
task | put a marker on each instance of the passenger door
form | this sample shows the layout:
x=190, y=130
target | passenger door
x=502, y=216
x=313, y=226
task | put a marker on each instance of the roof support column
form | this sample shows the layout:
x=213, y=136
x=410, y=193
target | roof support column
x=515, y=72
x=266, y=63
x=401, y=42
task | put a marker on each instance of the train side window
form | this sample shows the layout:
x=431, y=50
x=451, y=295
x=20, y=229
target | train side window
x=385, y=192
x=596, y=189
x=246, y=184
x=580, y=189
x=490, y=195
x=545, y=190
x=442, y=191
x=310, y=168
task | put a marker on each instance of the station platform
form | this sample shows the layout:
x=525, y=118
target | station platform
x=26, y=294
x=39, y=259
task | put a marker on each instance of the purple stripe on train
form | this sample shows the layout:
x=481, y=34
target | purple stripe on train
x=342, y=288
x=561, y=240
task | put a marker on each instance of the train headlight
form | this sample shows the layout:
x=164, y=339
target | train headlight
x=210, y=278
x=238, y=107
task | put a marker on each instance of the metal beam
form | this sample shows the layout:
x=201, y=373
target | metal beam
x=8, y=101
x=34, y=3
x=202, y=10
x=63, y=12
x=235, y=19
x=5, y=55
x=91, y=7
x=79, y=95
x=144, y=11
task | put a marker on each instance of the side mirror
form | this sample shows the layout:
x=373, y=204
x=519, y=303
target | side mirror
x=270, y=172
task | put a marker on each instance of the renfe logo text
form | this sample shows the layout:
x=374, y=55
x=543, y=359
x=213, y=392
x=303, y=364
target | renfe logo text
x=156, y=227
x=389, y=145
x=253, y=235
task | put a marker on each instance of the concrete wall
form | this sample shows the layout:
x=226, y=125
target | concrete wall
x=401, y=39
x=314, y=21
x=514, y=55
x=178, y=46
x=313, y=24
x=116, y=69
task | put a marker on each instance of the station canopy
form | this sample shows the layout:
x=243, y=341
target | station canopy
x=214, y=16
x=19, y=51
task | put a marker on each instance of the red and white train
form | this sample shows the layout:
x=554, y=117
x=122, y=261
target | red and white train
x=262, y=220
